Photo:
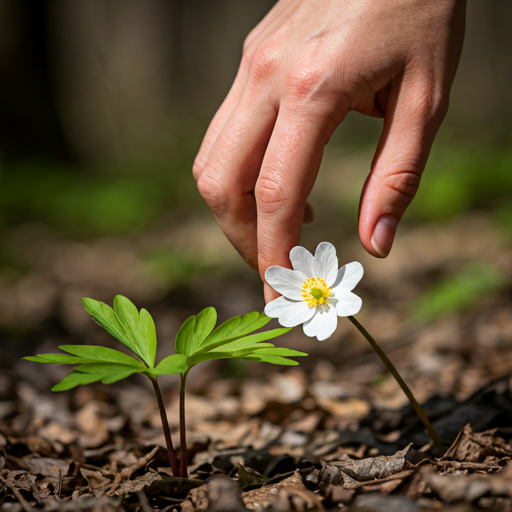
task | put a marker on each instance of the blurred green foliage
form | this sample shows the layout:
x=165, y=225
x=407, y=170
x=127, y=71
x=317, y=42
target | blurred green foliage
x=84, y=202
x=457, y=292
x=177, y=267
x=460, y=179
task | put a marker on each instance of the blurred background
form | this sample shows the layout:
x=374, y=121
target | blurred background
x=103, y=105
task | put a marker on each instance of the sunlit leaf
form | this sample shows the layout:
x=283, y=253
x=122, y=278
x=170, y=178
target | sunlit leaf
x=175, y=363
x=194, y=331
x=238, y=343
x=98, y=353
x=237, y=327
x=184, y=334
x=279, y=351
x=105, y=316
x=129, y=318
x=271, y=359
x=77, y=379
x=58, y=359
x=115, y=377
x=207, y=356
x=148, y=332
x=107, y=368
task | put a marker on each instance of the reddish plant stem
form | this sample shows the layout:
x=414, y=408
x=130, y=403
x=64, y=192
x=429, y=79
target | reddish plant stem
x=165, y=425
x=183, y=430
x=405, y=388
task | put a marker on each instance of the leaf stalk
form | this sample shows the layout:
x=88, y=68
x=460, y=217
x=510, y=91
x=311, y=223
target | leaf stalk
x=165, y=425
x=183, y=429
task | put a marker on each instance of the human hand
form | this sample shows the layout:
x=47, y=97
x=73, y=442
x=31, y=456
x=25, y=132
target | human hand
x=304, y=67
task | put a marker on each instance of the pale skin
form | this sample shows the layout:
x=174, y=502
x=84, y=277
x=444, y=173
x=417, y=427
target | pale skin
x=304, y=67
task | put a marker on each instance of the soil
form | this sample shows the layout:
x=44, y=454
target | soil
x=335, y=433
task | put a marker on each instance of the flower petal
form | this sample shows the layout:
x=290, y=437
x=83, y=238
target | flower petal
x=349, y=275
x=325, y=263
x=285, y=281
x=290, y=313
x=322, y=325
x=348, y=303
x=302, y=260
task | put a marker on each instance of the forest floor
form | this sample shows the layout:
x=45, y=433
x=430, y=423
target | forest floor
x=335, y=433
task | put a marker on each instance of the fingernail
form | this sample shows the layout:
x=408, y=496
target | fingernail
x=383, y=235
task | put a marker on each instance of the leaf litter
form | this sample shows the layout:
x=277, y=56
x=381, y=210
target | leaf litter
x=332, y=434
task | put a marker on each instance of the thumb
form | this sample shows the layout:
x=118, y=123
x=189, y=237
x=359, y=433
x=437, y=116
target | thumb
x=411, y=122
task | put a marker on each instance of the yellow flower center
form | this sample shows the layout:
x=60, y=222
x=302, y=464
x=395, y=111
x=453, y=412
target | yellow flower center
x=316, y=293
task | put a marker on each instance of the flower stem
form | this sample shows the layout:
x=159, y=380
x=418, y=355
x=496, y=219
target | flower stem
x=183, y=430
x=389, y=365
x=165, y=426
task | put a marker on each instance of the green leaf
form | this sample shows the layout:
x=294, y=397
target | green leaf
x=207, y=356
x=194, y=331
x=115, y=377
x=239, y=343
x=237, y=327
x=129, y=317
x=271, y=359
x=134, y=330
x=104, y=354
x=77, y=379
x=107, y=368
x=58, y=359
x=148, y=332
x=279, y=351
x=104, y=315
x=184, y=334
x=175, y=363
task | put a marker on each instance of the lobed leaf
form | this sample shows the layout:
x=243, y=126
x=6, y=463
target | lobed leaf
x=194, y=331
x=105, y=316
x=107, y=368
x=115, y=377
x=237, y=327
x=77, y=379
x=207, y=356
x=129, y=318
x=148, y=332
x=175, y=363
x=58, y=359
x=99, y=354
x=271, y=359
x=238, y=343
x=279, y=351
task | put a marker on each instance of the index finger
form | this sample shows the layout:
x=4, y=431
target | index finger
x=287, y=175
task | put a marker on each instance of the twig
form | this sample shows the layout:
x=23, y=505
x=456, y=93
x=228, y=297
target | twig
x=144, y=502
x=127, y=472
x=27, y=507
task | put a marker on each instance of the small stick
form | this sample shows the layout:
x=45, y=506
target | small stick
x=25, y=505
x=389, y=365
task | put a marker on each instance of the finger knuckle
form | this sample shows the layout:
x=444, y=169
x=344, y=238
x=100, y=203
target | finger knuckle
x=270, y=194
x=430, y=103
x=305, y=80
x=406, y=183
x=212, y=191
x=263, y=63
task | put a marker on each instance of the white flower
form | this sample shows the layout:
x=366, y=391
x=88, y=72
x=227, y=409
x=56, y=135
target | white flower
x=315, y=292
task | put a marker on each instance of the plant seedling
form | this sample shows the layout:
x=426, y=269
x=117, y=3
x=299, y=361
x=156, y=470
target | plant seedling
x=197, y=341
